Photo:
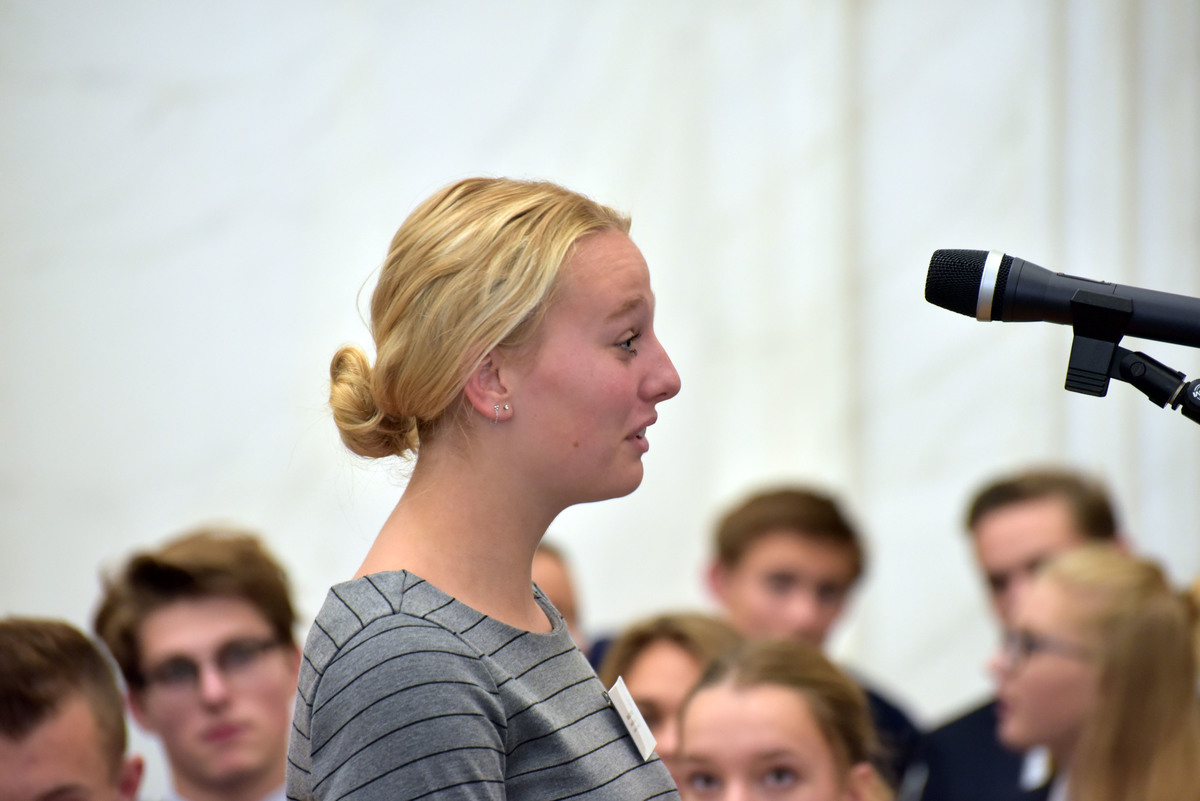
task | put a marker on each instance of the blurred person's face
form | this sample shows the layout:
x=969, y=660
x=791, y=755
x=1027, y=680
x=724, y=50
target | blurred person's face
x=552, y=577
x=1046, y=677
x=219, y=693
x=786, y=586
x=659, y=680
x=64, y=759
x=761, y=742
x=1012, y=541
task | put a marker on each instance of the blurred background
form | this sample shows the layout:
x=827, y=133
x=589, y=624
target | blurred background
x=196, y=197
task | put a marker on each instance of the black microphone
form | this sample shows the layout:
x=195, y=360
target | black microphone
x=990, y=285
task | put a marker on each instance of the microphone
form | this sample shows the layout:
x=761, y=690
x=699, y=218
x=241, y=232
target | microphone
x=990, y=285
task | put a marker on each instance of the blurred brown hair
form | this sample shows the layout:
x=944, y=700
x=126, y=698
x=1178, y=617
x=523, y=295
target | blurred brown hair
x=206, y=563
x=43, y=664
x=1091, y=507
x=837, y=703
x=703, y=636
x=804, y=511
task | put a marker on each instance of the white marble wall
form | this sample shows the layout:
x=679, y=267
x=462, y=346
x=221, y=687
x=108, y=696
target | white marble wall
x=194, y=195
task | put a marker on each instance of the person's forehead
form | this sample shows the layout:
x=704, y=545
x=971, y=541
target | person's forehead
x=549, y=568
x=662, y=664
x=758, y=718
x=1047, y=609
x=606, y=267
x=65, y=750
x=786, y=548
x=1026, y=531
x=197, y=626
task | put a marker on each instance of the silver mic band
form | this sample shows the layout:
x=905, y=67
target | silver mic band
x=987, y=285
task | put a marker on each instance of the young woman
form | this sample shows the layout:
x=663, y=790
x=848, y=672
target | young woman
x=777, y=720
x=515, y=352
x=1101, y=669
x=661, y=659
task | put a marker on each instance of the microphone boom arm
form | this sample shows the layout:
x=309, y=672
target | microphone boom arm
x=1162, y=385
x=1099, y=323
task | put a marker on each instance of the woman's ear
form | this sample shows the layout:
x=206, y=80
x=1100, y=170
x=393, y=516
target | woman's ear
x=129, y=778
x=485, y=389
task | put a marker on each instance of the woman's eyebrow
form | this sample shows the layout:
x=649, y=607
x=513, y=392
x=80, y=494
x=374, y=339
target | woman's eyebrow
x=629, y=305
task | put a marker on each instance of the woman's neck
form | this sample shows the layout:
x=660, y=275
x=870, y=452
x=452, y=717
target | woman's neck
x=472, y=539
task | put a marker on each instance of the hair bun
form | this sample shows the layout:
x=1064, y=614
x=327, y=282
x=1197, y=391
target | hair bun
x=363, y=426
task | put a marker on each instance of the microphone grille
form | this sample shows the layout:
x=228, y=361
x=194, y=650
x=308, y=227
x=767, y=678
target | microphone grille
x=953, y=279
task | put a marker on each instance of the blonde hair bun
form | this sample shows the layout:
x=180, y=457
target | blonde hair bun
x=364, y=428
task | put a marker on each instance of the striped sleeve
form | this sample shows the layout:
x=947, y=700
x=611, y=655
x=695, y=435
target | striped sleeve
x=406, y=711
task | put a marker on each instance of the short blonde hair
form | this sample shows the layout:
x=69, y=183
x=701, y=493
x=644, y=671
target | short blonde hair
x=1142, y=738
x=473, y=267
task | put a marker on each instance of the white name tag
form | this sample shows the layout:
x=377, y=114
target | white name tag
x=622, y=701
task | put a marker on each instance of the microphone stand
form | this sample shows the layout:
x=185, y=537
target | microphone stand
x=1159, y=383
x=1099, y=322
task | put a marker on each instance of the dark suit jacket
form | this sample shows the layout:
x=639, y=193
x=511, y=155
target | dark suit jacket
x=898, y=736
x=967, y=763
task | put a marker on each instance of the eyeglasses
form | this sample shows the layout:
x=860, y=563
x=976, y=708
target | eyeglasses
x=235, y=660
x=1019, y=646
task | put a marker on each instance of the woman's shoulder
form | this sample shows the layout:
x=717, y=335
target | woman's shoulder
x=388, y=623
x=381, y=616
x=378, y=603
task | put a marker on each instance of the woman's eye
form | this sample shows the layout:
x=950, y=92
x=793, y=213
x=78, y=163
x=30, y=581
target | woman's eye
x=780, y=777
x=700, y=781
x=628, y=344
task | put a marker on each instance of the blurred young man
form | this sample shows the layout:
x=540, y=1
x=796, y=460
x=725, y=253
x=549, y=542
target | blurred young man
x=201, y=629
x=1016, y=523
x=62, y=719
x=786, y=562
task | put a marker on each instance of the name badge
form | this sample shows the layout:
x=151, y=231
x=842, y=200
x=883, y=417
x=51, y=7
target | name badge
x=622, y=701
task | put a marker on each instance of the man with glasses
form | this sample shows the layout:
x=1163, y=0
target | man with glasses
x=201, y=629
x=62, y=720
x=1016, y=523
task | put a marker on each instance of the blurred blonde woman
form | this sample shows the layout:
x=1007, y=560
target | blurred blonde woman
x=1101, y=669
x=661, y=659
x=515, y=350
x=777, y=720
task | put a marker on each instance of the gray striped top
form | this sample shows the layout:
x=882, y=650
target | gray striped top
x=407, y=693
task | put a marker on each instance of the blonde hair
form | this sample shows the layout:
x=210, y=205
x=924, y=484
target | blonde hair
x=705, y=637
x=1141, y=740
x=472, y=268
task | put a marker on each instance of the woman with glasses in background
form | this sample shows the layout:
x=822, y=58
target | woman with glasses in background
x=1100, y=668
